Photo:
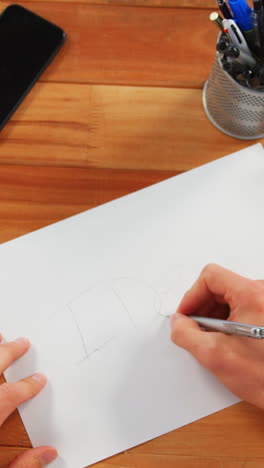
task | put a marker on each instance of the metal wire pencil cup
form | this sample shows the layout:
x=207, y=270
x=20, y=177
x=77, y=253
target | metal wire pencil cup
x=234, y=109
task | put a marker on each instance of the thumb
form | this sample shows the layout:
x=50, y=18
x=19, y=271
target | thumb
x=187, y=334
x=35, y=458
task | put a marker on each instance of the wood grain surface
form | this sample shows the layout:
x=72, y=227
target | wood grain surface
x=120, y=108
x=150, y=3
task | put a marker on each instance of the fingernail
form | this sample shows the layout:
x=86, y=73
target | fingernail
x=48, y=456
x=39, y=377
x=22, y=341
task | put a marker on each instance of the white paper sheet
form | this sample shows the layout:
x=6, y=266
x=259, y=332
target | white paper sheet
x=92, y=293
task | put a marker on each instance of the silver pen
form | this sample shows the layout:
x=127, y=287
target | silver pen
x=232, y=328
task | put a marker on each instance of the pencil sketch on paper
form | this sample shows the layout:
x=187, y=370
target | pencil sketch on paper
x=108, y=310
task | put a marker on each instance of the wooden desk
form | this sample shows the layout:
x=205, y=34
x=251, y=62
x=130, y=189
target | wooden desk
x=119, y=109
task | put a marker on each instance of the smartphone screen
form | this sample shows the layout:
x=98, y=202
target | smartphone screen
x=28, y=43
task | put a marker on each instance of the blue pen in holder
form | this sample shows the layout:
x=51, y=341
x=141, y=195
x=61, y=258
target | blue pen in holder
x=234, y=109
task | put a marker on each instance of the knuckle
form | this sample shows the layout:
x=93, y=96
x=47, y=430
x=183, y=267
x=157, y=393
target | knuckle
x=259, y=304
x=22, y=464
x=222, y=358
x=212, y=356
x=180, y=339
x=10, y=352
x=212, y=362
x=26, y=390
x=258, y=287
x=7, y=352
x=25, y=460
x=197, y=350
x=8, y=393
x=256, y=291
x=260, y=283
x=16, y=393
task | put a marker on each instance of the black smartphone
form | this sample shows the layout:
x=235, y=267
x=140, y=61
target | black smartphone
x=28, y=43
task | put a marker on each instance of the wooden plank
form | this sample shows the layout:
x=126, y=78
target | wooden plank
x=174, y=461
x=208, y=4
x=33, y=197
x=149, y=461
x=113, y=127
x=235, y=430
x=232, y=438
x=130, y=45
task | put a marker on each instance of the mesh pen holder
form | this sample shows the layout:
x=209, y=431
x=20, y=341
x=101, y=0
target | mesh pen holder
x=232, y=108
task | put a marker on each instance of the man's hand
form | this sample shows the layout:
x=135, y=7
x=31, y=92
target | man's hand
x=13, y=394
x=236, y=361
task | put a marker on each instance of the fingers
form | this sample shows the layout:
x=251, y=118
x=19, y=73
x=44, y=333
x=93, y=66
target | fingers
x=35, y=458
x=201, y=344
x=236, y=361
x=13, y=394
x=11, y=351
x=215, y=287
